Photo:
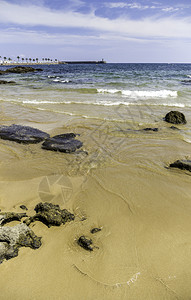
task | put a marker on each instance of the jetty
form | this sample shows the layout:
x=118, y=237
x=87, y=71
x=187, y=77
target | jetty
x=83, y=62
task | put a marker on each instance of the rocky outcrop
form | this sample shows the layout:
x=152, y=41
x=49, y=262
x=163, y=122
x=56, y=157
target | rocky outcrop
x=22, y=134
x=63, y=143
x=50, y=215
x=12, y=238
x=182, y=164
x=175, y=117
x=20, y=70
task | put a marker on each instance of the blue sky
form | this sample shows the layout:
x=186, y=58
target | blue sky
x=116, y=30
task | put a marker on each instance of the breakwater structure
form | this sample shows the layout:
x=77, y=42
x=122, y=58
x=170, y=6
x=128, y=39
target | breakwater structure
x=83, y=62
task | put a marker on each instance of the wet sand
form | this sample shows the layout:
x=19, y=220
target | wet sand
x=123, y=187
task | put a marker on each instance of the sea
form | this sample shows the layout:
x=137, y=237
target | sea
x=119, y=181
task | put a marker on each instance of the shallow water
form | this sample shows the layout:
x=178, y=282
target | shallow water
x=123, y=185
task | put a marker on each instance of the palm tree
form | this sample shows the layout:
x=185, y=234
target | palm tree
x=23, y=59
x=37, y=60
x=26, y=59
x=30, y=59
x=4, y=58
x=18, y=57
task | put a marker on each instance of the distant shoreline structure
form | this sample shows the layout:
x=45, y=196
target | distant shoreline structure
x=12, y=63
x=83, y=62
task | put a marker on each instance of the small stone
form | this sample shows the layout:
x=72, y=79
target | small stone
x=85, y=243
x=175, y=117
x=94, y=230
x=174, y=128
x=150, y=129
x=182, y=164
x=23, y=207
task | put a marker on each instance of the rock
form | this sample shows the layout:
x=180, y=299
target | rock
x=85, y=243
x=22, y=134
x=174, y=128
x=63, y=143
x=150, y=129
x=94, y=230
x=50, y=215
x=19, y=70
x=7, y=82
x=23, y=207
x=187, y=82
x=175, y=117
x=6, y=217
x=12, y=238
x=182, y=164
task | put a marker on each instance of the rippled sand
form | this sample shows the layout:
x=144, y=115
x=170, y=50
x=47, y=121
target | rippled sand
x=122, y=186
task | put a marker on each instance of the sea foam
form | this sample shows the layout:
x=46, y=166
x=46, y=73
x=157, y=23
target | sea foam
x=141, y=94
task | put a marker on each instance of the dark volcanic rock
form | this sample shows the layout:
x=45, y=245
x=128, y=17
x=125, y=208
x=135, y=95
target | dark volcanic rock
x=150, y=129
x=22, y=134
x=85, y=243
x=182, y=164
x=50, y=215
x=187, y=82
x=175, y=117
x=7, y=82
x=63, y=143
x=6, y=217
x=19, y=70
x=94, y=230
x=23, y=207
x=12, y=238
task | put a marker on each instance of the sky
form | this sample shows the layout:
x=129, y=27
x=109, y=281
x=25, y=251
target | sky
x=116, y=30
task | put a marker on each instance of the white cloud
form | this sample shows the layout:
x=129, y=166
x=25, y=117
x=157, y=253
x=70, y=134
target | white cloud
x=116, y=5
x=170, y=9
x=123, y=5
x=31, y=15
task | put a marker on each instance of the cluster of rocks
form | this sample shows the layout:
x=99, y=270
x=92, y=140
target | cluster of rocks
x=176, y=117
x=29, y=135
x=17, y=70
x=20, y=235
x=12, y=238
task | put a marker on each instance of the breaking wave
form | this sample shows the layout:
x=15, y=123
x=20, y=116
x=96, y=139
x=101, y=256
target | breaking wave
x=141, y=94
